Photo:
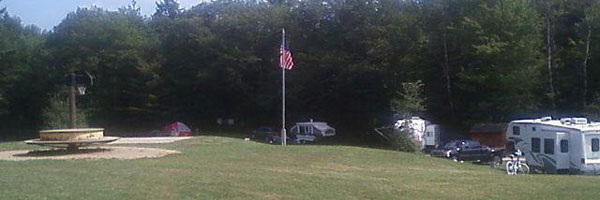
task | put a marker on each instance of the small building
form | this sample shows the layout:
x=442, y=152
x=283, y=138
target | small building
x=490, y=134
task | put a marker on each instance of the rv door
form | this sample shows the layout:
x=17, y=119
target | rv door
x=432, y=135
x=562, y=147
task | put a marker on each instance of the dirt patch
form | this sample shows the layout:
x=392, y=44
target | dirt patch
x=121, y=153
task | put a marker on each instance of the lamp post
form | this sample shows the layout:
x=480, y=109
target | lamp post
x=72, y=100
x=77, y=82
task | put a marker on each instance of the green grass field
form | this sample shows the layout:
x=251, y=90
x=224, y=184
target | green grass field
x=212, y=167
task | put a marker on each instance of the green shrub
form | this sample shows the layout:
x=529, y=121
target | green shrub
x=56, y=114
x=409, y=102
x=403, y=141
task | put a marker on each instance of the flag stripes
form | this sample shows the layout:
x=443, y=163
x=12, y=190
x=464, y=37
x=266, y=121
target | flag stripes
x=285, y=57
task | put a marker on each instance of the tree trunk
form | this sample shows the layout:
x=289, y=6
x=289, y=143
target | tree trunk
x=446, y=68
x=585, y=60
x=445, y=65
x=549, y=62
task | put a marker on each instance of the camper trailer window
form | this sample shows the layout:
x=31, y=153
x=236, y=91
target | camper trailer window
x=595, y=145
x=549, y=146
x=564, y=146
x=516, y=130
x=535, y=145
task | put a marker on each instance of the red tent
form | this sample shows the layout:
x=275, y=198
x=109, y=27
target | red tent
x=177, y=129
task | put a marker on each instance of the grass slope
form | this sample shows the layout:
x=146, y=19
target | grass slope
x=228, y=168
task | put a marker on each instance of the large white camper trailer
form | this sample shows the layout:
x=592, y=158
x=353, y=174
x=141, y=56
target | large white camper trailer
x=568, y=145
x=427, y=134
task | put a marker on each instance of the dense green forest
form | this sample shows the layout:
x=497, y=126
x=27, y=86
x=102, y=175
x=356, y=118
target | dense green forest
x=478, y=61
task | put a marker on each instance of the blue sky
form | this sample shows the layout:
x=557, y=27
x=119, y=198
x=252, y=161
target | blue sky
x=48, y=13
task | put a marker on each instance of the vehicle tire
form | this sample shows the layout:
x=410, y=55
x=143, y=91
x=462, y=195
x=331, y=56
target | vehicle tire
x=455, y=158
x=510, y=167
x=269, y=140
x=523, y=169
x=496, y=162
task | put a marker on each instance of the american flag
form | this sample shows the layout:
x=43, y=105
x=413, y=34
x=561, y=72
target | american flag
x=285, y=57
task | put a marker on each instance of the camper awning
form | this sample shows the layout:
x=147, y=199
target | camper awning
x=322, y=126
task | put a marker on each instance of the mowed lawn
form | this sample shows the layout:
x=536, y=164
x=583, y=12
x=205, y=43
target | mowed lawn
x=212, y=167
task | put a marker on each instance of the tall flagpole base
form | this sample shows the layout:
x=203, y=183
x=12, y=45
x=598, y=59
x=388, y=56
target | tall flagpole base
x=283, y=137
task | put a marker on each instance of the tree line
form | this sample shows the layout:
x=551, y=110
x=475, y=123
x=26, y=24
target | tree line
x=477, y=60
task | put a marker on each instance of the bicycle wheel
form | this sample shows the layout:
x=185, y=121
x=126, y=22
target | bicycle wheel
x=510, y=167
x=523, y=169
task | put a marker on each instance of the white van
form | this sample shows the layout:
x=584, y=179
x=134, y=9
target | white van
x=568, y=145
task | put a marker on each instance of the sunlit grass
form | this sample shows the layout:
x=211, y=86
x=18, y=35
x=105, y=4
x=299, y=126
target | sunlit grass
x=229, y=168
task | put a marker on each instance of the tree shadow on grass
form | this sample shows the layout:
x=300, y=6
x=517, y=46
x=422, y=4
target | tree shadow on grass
x=60, y=152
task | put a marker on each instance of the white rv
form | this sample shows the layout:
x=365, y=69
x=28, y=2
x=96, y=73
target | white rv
x=568, y=145
x=427, y=134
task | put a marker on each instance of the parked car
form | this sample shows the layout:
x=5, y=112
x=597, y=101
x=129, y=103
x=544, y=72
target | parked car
x=469, y=150
x=271, y=135
x=263, y=133
x=290, y=139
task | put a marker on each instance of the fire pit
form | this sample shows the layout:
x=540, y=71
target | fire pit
x=71, y=139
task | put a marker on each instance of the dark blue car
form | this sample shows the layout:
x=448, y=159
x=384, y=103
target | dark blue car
x=468, y=150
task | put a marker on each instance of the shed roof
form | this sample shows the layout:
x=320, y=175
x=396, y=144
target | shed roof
x=488, y=128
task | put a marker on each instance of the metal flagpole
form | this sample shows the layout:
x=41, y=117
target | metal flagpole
x=283, y=132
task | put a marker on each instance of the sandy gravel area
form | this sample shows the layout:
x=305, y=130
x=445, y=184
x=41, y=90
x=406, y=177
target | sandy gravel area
x=111, y=152
x=148, y=140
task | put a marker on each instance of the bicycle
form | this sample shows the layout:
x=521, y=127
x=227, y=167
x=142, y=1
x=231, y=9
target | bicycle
x=515, y=165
